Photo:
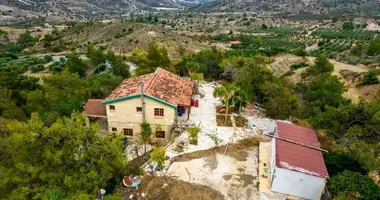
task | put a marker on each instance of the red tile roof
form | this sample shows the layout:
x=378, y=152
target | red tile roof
x=94, y=107
x=161, y=84
x=296, y=157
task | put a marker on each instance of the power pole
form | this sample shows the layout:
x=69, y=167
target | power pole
x=142, y=101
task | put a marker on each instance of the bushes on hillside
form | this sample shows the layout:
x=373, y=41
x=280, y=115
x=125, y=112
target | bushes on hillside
x=370, y=78
x=354, y=184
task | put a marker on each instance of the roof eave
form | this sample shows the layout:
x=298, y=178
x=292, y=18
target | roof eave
x=137, y=96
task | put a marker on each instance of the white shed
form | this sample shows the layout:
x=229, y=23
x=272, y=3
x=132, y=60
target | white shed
x=297, y=166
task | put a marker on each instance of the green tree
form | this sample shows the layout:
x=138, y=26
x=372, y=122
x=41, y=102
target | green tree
x=374, y=47
x=119, y=66
x=208, y=61
x=103, y=84
x=70, y=158
x=48, y=58
x=354, y=182
x=299, y=52
x=158, y=57
x=348, y=25
x=62, y=93
x=322, y=65
x=337, y=162
x=27, y=40
x=96, y=55
x=370, y=78
x=145, y=133
x=324, y=90
x=140, y=59
x=75, y=65
x=225, y=93
x=356, y=50
x=158, y=156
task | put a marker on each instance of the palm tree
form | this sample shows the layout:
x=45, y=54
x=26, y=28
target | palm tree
x=225, y=93
x=146, y=133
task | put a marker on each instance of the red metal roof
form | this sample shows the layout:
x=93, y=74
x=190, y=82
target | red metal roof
x=94, y=107
x=161, y=84
x=296, y=157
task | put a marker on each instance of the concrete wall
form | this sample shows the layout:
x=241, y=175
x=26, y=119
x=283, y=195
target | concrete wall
x=297, y=184
x=272, y=157
x=126, y=116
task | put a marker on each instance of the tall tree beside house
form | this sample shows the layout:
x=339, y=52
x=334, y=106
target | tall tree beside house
x=146, y=133
x=226, y=93
x=148, y=63
x=68, y=159
x=139, y=58
x=197, y=77
x=158, y=57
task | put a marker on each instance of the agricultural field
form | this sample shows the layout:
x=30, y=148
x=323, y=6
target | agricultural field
x=339, y=33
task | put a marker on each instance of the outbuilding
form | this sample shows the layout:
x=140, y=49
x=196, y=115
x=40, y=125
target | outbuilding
x=297, y=164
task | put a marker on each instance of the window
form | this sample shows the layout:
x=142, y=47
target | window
x=160, y=134
x=139, y=109
x=159, y=112
x=128, y=132
x=114, y=129
x=112, y=107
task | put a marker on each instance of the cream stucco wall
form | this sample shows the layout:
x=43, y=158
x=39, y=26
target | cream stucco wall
x=126, y=116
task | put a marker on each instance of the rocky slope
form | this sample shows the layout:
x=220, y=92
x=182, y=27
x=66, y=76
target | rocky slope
x=64, y=10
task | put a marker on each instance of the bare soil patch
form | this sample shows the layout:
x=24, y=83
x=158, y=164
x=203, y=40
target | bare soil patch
x=220, y=121
x=160, y=187
x=240, y=121
x=236, y=150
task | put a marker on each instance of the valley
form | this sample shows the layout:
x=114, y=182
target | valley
x=209, y=99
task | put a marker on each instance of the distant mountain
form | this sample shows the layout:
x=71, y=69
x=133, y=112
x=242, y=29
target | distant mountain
x=293, y=7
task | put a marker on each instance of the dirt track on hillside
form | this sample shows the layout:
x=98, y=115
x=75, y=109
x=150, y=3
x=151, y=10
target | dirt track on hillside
x=282, y=63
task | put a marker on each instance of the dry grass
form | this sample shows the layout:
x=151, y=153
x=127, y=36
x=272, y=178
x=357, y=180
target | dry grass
x=161, y=187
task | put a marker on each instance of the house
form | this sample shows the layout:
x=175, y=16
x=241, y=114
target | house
x=164, y=93
x=297, y=165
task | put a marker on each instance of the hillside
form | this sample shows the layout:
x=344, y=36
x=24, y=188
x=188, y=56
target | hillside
x=122, y=37
x=298, y=8
x=64, y=10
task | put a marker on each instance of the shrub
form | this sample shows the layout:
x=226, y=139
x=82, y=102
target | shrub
x=158, y=156
x=299, y=52
x=48, y=58
x=374, y=47
x=193, y=134
x=37, y=68
x=338, y=162
x=299, y=65
x=349, y=182
x=370, y=78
